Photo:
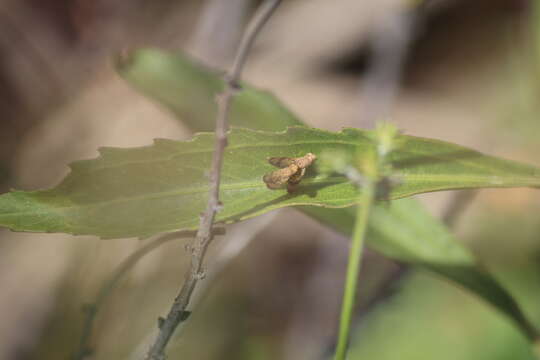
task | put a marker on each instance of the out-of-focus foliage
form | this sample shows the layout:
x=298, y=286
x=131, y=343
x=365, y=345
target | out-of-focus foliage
x=432, y=320
x=189, y=91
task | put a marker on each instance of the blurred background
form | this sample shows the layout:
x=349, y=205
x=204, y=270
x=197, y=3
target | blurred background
x=458, y=70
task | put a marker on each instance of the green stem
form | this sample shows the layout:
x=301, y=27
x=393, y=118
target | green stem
x=353, y=267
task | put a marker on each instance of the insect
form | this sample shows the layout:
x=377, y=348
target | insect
x=291, y=171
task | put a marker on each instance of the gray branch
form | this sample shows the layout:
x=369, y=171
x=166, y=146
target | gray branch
x=218, y=31
x=109, y=285
x=204, y=235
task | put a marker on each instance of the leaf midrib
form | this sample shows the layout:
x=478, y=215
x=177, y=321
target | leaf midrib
x=259, y=184
x=187, y=191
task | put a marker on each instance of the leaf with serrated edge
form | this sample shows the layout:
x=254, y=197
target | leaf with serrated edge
x=163, y=187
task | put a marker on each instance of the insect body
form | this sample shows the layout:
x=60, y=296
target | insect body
x=291, y=171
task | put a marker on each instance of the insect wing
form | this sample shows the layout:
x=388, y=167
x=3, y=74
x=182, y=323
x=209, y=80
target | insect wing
x=276, y=179
x=297, y=177
x=281, y=162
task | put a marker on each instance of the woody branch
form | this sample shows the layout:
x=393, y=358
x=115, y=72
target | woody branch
x=204, y=234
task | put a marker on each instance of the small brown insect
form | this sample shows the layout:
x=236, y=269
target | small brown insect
x=291, y=171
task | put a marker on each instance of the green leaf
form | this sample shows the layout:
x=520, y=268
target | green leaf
x=189, y=91
x=164, y=187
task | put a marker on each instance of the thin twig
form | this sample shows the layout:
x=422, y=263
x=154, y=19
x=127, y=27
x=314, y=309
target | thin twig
x=91, y=310
x=260, y=18
x=204, y=234
x=218, y=31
